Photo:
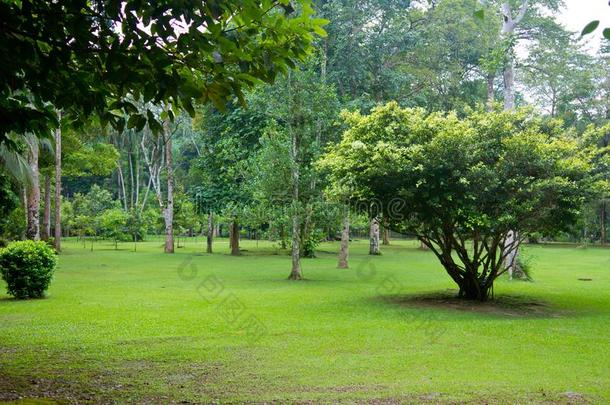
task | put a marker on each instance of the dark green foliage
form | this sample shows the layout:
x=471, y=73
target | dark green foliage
x=8, y=202
x=93, y=57
x=27, y=267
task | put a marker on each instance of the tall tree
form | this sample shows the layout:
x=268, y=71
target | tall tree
x=57, y=239
x=168, y=205
x=302, y=109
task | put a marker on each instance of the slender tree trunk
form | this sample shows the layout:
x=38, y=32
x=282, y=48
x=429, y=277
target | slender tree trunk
x=24, y=204
x=46, y=217
x=386, y=234
x=122, y=197
x=282, y=233
x=508, y=30
x=57, y=239
x=509, y=23
x=344, y=250
x=374, y=237
x=511, y=262
x=234, y=237
x=210, y=235
x=33, y=195
x=295, y=273
x=131, y=179
x=168, y=212
x=602, y=221
x=509, y=85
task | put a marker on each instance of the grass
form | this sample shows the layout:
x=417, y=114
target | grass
x=124, y=326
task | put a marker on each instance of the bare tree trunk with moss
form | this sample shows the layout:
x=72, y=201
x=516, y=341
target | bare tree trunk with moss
x=509, y=24
x=33, y=195
x=57, y=239
x=46, y=217
x=168, y=211
x=344, y=249
x=374, y=237
x=210, y=235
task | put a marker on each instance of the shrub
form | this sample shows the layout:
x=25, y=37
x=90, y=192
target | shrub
x=27, y=267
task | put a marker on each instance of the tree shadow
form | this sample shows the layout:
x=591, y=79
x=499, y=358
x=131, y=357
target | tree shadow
x=502, y=306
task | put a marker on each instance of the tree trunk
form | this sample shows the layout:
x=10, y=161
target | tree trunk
x=602, y=221
x=24, y=203
x=490, y=91
x=511, y=262
x=508, y=30
x=374, y=237
x=509, y=85
x=210, y=235
x=168, y=212
x=344, y=250
x=471, y=288
x=57, y=240
x=234, y=237
x=282, y=234
x=46, y=218
x=295, y=273
x=386, y=235
x=33, y=195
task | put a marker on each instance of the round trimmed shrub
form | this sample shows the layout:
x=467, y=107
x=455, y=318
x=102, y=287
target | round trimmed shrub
x=27, y=267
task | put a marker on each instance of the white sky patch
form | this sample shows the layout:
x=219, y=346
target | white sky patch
x=578, y=13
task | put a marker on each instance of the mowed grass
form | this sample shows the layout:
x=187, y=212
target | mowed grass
x=124, y=326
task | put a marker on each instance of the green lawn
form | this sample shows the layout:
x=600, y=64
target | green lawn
x=149, y=327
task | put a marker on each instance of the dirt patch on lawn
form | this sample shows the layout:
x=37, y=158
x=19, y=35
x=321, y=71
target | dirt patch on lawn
x=509, y=306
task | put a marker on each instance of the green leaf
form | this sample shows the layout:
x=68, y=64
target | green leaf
x=136, y=121
x=320, y=31
x=480, y=14
x=606, y=33
x=592, y=26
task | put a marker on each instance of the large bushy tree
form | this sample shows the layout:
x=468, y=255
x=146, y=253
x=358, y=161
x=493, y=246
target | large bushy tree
x=461, y=185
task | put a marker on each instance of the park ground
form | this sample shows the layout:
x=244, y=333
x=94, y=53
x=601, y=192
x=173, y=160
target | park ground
x=146, y=327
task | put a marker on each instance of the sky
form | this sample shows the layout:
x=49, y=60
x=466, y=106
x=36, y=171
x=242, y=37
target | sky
x=579, y=13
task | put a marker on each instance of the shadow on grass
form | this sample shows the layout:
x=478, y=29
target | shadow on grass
x=502, y=306
x=7, y=299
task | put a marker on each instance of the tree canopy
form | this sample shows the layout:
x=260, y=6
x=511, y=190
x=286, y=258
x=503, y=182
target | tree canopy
x=97, y=57
x=461, y=185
